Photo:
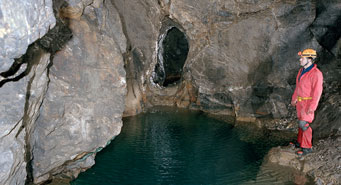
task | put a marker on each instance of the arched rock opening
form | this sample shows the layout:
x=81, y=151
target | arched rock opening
x=172, y=54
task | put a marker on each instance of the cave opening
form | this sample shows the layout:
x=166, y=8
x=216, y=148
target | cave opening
x=172, y=54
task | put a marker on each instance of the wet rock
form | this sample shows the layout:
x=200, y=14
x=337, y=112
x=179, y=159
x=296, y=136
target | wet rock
x=323, y=164
x=241, y=63
x=288, y=157
x=270, y=173
x=242, y=59
x=84, y=103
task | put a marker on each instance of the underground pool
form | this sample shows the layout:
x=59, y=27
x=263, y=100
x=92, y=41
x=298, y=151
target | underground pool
x=176, y=146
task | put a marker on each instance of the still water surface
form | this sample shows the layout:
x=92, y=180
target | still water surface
x=175, y=146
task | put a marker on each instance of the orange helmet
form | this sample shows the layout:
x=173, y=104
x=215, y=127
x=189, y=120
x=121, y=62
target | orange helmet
x=308, y=53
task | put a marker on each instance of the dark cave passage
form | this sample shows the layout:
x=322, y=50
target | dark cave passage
x=171, y=57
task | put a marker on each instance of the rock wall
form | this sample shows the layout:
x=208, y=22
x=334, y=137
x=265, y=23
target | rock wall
x=327, y=31
x=63, y=100
x=83, y=106
x=22, y=81
x=242, y=59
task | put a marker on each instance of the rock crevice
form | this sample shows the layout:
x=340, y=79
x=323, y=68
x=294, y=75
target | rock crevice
x=72, y=87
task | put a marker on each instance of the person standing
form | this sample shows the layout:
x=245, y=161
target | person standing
x=306, y=96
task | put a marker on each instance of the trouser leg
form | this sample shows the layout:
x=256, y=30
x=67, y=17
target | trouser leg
x=299, y=136
x=306, y=138
x=306, y=134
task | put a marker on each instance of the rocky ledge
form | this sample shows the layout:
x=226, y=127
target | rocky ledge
x=63, y=100
x=323, y=164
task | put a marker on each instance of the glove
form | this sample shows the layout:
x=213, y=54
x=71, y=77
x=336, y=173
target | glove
x=303, y=125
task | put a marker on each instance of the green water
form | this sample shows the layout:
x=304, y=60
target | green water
x=175, y=146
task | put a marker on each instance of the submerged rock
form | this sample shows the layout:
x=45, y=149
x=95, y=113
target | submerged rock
x=100, y=59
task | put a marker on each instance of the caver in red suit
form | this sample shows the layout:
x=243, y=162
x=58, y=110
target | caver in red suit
x=307, y=94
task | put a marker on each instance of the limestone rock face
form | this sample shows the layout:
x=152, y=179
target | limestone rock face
x=23, y=82
x=63, y=100
x=13, y=142
x=83, y=106
x=141, y=21
x=242, y=58
x=21, y=23
x=239, y=56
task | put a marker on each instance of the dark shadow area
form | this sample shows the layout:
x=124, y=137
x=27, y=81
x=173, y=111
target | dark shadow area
x=327, y=32
x=14, y=69
x=172, y=57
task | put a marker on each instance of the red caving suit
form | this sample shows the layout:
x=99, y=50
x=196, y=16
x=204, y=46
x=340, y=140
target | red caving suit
x=307, y=93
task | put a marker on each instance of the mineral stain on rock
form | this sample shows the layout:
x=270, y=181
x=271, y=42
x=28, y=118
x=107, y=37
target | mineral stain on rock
x=228, y=58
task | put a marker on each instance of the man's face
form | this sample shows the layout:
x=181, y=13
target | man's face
x=303, y=61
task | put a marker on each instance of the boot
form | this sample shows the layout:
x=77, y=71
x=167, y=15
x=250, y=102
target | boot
x=304, y=151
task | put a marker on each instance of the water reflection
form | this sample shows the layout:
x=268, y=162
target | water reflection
x=174, y=146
